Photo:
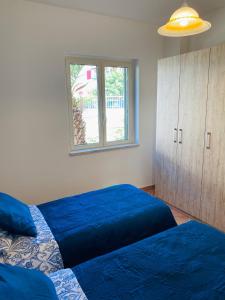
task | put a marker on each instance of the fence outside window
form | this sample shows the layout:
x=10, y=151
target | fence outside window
x=111, y=102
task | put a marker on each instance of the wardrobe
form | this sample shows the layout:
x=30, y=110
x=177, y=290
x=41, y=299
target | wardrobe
x=190, y=139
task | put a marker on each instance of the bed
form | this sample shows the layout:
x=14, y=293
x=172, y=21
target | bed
x=92, y=224
x=186, y=262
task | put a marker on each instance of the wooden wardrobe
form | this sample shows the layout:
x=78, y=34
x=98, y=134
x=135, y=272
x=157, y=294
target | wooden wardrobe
x=190, y=143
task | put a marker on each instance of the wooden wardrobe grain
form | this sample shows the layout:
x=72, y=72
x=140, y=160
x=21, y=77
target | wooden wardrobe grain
x=213, y=184
x=192, y=114
x=167, y=121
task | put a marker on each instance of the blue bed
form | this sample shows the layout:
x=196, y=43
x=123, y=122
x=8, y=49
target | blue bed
x=186, y=262
x=91, y=224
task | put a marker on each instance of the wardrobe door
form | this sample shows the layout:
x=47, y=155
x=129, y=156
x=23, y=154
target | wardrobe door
x=167, y=121
x=213, y=187
x=192, y=115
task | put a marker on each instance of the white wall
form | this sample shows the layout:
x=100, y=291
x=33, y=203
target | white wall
x=175, y=46
x=213, y=37
x=34, y=161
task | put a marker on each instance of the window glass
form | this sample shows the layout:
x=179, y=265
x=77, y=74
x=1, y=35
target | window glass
x=84, y=91
x=101, y=103
x=116, y=103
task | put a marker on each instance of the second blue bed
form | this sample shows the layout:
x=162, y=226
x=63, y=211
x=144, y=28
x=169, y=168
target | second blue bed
x=182, y=263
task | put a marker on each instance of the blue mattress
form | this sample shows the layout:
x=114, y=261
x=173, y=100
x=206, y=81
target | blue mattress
x=183, y=263
x=91, y=224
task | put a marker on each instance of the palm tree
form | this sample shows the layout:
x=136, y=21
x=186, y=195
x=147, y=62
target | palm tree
x=78, y=121
x=79, y=124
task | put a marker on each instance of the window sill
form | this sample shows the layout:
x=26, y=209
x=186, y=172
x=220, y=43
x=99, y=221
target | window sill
x=101, y=149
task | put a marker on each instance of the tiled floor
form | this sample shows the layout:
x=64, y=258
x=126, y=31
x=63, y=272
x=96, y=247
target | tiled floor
x=179, y=216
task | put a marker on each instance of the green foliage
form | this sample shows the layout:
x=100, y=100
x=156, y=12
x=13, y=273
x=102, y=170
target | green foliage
x=114, y=81
x=74, y=71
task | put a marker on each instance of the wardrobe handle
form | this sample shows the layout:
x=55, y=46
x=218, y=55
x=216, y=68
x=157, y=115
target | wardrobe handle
x=175, y=135
x=208, y=142
x=180, y=136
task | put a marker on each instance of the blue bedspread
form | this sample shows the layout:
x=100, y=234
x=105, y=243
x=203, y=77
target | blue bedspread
x=95, y=223
x=183, y=263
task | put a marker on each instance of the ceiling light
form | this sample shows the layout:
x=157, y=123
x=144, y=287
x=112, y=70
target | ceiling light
x=184, y=22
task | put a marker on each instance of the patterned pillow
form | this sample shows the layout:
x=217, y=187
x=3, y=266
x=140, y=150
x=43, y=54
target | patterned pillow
x=66, y=285
x=41, y=252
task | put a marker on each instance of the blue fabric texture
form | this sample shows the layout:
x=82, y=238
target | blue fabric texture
x=15, y=216
x=183, y=263
x=91, y=224
x=22, y=284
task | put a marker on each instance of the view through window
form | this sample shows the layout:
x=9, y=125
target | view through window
x=101, y=102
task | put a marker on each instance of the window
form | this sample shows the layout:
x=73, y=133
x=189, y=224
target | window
x=101, y=103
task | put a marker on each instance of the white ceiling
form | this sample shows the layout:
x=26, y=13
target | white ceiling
x=151, y=11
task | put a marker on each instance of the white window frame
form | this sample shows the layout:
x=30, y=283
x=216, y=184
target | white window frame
x=103, y=144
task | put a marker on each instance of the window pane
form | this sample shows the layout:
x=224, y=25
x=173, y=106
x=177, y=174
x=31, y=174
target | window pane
x=84, y=89
x=116, y=101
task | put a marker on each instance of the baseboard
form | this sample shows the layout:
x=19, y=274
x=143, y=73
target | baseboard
x=182, y=211
x=150, y=188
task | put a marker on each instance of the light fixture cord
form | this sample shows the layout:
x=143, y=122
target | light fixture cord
x=185, y=4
